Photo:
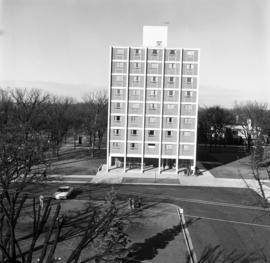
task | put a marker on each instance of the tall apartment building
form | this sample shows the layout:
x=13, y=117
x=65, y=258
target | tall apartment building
x=153, y=106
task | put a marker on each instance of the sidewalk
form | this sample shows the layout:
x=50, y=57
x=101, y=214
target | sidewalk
x=206, y=179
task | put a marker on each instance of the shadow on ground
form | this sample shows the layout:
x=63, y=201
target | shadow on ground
x=148, y=249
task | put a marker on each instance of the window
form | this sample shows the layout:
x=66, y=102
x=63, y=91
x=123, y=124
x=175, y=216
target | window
x=135, y=106
x=137, y=51
x=132, y=118
x=172, y=65
x=153, y=93
x=120, y=51
x=119, y=78
x=171, y=106
x=187, y=133
x=136, y=79
x=154, y=79
x=151, y=145
x=116, y=145
x=168, y=146
x=190, y=53
x=119, y=64
x=190, y=66
x=171, y=80
x=187, y=107
x=135, y=92
x=172, y=52
x=137, y=65
x=133, y=132
x=187, y=121
x=154, y=65
x=117, y=118
x=116, y=132
x=188, y=94
x=152, y=106
x=118, y=105
x=171, y=93
x=186, y=147
x=132, y=146
x=154, y=52
x=152, y=119
x=169, y=133
x=151, y=133
x=189, y=80
x=169, y=120
x=118, y=91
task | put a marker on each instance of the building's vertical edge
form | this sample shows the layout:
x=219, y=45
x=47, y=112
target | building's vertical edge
x=161, y=110
x=109, y=113
x=179, y=111
x=144, y=107
x=126, y=113
x=197, y=109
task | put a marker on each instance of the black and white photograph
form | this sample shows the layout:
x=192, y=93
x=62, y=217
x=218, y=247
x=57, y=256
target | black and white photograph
x=134, y=131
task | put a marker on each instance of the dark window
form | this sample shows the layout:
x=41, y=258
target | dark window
x=171, y=79
x=169, y=119
x=117, y=118
x=169, y=133
x=133, y=132
x=151, y=133
x=189, y=80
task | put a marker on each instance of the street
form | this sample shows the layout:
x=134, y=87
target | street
x=230, y=218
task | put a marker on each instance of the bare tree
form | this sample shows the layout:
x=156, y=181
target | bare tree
x=30, y=108
x=95, y=121
x=58, y=121
x=96, y=230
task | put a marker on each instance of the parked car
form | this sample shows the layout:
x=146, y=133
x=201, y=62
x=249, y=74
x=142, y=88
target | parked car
x=63, y=192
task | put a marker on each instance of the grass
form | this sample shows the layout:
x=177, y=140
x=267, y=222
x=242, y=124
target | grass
x=228, y=162
x=76, y=161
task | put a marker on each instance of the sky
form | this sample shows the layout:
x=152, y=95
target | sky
x=62, y=46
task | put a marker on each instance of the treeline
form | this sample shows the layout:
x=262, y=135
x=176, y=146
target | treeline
x=33, y=113
x=217, y=123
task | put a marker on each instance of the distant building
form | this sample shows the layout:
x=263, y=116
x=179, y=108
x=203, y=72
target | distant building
x=153, y=106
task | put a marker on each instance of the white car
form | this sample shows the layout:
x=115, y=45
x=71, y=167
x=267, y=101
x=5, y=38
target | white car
x=63, y=192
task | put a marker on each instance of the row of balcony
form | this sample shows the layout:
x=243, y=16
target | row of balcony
x=152, y=135
x=171, y=122
x=154, y=95
x=152, y=148
x=153, y=82
x=154, y=68
x=155, y=54
x=153, y=108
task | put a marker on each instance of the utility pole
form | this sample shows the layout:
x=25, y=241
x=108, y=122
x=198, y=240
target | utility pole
x=189, y=245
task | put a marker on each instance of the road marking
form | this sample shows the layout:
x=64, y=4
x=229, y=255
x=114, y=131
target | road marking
x=223, y=204
x=217, y=219
x=199, y=201
x=228, y=221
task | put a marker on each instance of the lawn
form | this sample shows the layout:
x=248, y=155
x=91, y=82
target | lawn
x=228, y=162
x=76, y=161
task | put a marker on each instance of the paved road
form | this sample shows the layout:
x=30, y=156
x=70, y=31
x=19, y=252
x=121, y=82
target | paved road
x=231, y=218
